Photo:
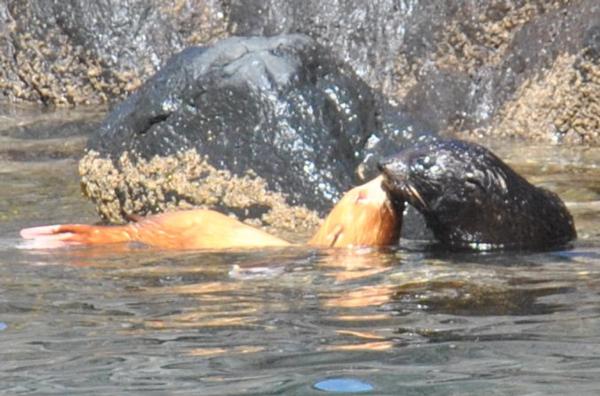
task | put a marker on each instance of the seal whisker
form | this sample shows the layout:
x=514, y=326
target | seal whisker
x=412, y=191
x=471, y=199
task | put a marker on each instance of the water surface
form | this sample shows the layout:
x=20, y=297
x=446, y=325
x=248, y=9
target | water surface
x=402, y=321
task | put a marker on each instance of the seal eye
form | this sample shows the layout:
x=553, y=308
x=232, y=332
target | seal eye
x=422, y=163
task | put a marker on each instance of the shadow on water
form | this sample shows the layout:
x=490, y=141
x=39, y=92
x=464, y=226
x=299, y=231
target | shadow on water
x=300, y=321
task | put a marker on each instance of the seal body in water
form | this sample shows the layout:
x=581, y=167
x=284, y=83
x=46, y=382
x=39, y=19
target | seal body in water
x=365, y=216
x=472, y=200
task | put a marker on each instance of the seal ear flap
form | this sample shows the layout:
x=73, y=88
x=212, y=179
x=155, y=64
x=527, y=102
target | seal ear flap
x=474, y=182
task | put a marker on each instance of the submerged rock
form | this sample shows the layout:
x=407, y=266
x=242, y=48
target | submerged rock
x=268, y=128
x=31, y=133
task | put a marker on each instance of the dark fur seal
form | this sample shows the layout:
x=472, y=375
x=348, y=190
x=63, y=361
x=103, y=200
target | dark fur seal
x=472, y=200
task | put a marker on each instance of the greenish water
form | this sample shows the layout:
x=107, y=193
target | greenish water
x=294, y=321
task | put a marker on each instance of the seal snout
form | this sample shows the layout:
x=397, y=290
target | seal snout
x=396, y=174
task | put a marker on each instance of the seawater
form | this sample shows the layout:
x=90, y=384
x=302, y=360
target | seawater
x=298, y=321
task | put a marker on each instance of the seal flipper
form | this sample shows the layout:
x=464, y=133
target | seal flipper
x=62, y=235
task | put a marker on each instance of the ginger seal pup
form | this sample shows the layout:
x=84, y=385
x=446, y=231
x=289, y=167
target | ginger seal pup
x=365, y=216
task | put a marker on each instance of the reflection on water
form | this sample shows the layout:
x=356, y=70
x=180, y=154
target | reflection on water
x=296, y=320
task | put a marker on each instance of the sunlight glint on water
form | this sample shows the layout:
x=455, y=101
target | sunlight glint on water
x=402, y=321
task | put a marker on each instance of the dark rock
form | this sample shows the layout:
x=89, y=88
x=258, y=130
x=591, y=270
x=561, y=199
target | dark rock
x=591, y=41
x=281, y=107
x=369, y=35
x=455, y=65
x=81, y=52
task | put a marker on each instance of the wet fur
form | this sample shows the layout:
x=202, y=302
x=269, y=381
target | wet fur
x=363, y=217
x=472, y=200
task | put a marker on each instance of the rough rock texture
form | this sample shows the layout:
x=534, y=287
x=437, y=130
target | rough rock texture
x=250, y=125
x=183, y=181
x=85, y=52
x=453, y=64
x=464, y=65
x=562, y=104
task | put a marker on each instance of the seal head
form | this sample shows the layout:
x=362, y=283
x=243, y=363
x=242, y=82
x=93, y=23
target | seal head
x=472, y=200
